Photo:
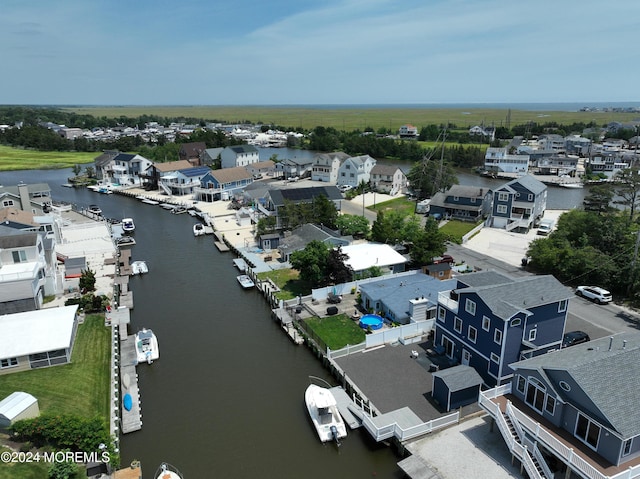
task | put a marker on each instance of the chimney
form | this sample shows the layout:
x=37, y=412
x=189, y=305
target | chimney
x=610, y=343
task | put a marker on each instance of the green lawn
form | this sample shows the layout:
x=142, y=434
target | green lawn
x=456, y=229
x=21, y=159
x=288, y=282
x=80, y=388
x=337, y=331
x=23, y=471
x=402, y=205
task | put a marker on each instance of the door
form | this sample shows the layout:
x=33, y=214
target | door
x=448, y=346
x=266, y=244
x=466, y=357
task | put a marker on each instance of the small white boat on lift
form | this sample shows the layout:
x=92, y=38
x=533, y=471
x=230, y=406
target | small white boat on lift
x=146, y=346
x=198, y=229
x=167, y=471
x=245, y=281
x=139, y=267
x=128, y=226
x=323, y=410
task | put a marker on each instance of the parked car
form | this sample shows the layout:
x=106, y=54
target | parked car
x=345, y=188
x=574, y=337
x=545, y=227
x=445, y=258
x=594, y=293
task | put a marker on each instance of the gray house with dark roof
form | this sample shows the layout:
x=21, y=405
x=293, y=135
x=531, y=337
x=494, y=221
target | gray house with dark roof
x=577, y=407
x=519, y=204
x=300, y=237
x=34, y=198
x=276, y=199
x=489, y=320
x=467, y=203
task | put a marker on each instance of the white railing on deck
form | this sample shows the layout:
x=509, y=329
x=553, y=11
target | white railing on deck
x=380, y=433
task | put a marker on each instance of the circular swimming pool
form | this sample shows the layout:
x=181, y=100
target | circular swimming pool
x=372, y=321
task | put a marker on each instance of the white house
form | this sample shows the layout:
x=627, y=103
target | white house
x=326, y=165
x=499, y=161
x=388, y=179
x=408, y=131
x=367, y=255
x=37, y=339
x=122, y=169
x=355, y=170
x=239, y=155
x=23, y=269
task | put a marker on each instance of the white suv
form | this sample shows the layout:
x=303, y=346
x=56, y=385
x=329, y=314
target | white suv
x=594, y=293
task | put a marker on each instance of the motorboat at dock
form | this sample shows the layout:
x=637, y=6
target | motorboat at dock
x=198, y=229
x=167, y=471
x=146, y=346
x=128, y=226
x=245, y=281
x=139, y=267
x=323, y=409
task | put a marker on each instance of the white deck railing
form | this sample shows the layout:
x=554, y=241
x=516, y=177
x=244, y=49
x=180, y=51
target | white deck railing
x=380, y=433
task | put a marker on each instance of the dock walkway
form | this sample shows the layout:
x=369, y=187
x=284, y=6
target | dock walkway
x=131, y=420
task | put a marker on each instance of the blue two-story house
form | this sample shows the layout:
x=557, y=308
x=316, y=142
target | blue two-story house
x=519, y=204
x=223, y=184
x=467, y=203
x=490, y=320
x=573, y=410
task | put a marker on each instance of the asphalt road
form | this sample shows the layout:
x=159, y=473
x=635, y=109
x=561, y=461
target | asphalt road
x=596, y=320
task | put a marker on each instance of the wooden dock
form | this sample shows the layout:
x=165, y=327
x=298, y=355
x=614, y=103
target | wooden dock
x=131, y=420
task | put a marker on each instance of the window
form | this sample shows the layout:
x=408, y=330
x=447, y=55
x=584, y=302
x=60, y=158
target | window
x=495, y=358
x=457, y=325
x=441, y=314
x=516, y=322
x=501, y=209
x=8, y=363
x=503, y=196
x=472, y=334
x=522, y=382
x=456, y=198
x=550, y=406
x=532, y=334
x=562, y=306
x=565, y=385
x=530, y=197
x=19, y=256
x=497, y=336
x=587, y=431
x=7, y=203
x=470, y=307
x=486, y=323
x=626, y=447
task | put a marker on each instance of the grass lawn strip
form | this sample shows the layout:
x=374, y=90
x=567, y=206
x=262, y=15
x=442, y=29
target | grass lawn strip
x=21, y=159
x=337, y=331
x=81, y=387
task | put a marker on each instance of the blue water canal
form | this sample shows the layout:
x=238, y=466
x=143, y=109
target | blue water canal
x=225, y=399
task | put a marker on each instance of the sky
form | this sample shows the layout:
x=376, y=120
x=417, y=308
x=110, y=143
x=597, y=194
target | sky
x=317, y=52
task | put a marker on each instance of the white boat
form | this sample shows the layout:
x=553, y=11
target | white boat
x=167, y=206
x=167, y=471
x=571, y=185
x=139, y=267
x=128, y=226
x=245, y=281
x=178, y=210
x=146, y=346
x=147, y=201
x=323, y=410
x=198, y=229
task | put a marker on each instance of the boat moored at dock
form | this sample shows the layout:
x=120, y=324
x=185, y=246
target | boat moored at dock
x=146, y=346
x=323, y=410
x=139, y=267
x=167, y=471
x=198, y=229
x=245, y=281
x=128, y=226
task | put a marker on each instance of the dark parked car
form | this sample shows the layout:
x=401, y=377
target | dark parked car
x=445, y=258
x=574, y=337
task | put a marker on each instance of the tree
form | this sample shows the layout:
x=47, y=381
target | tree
x=429, y=176
x=76, y=169
x=90, y=171
x=87, y=280
x=63, y=470
x=430, y=242
x=388, y=227
x=629, y=189
x=324, y=211
x=599, y=198
x=265, y=225
x=337, y=271
x=311, y=261
x=354, y=225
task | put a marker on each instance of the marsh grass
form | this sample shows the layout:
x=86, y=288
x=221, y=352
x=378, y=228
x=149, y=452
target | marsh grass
x=23, y=159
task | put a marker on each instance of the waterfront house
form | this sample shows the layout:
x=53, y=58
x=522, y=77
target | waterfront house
x=301, y=236
x=23, y=270
x=239, y=155
x=276, y=199
x=489, y=132
x=151, y=179
x=499, y=160
x=222, y=184
x=558, y=165
x=123, y=169
x=36, y=339
x=467, y=203
x=388, y=179
x=489, y=320
x=192, y=152
x=326, y=165
x=211, y=157
x=363, y=256
x=34, y=198
x=552, y=142
x=403, y=299
x=573, y=409
x=103, y=163
x=577, y=145
x=261, y=169
x=408, y=131
x=519, y=204
x=294, y=167
x=355, y=170
x=183, y=182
